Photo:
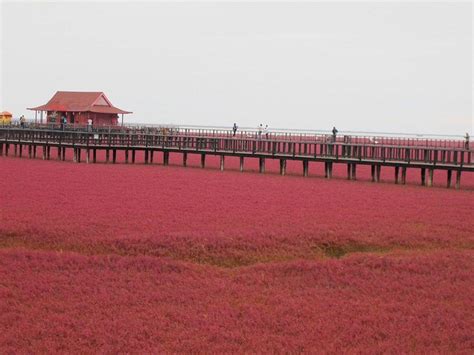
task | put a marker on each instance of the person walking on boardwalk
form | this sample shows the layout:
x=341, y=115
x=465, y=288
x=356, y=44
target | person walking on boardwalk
x=260, y=129
x=334, y=134
x=63, y=122
x=234, y=128
x=22, y=121
x=266, y=131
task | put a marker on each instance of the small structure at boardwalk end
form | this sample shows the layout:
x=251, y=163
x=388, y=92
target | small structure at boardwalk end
x=5, y=117
x=78, y=107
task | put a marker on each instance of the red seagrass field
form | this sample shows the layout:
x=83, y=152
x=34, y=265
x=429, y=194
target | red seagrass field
x=151, y=258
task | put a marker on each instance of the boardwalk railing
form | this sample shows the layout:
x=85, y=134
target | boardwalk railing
x=281, y=135
x=315, y=148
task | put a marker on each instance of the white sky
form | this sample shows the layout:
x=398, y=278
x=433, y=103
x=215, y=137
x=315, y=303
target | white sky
x=363, y=66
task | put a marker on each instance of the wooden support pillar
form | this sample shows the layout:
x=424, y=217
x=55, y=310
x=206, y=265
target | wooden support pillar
x=59, y=152
x=94, y=155
x=79, y=155
x=126, y=156
x=328, y=170
x=397, y=174
x=261, y=165
x=404, y=175
x=107, y=155
x=372, y=172
x=349, y=172
x=114, y=156
x=63, y=154
x=430, y=177
x=34, y=151
x=48, y=152
x=449, y=178
x=458, y=179
x=7, y=148
x=21, y=150
x=152, y=153
x=30, y=151
x=146, y=156
x=166, y=158
x=203, y=161
x=1, y=149
x=74, y=155
x=305, y=168
x=354, y=171
x=423, y=176
x=378, y=172
x=88, y=154
x=185, y=159
x=15, y=149
x=283, y=167
x=222, y=162
x=44, y=152
x=241, y=164
x=134, y=153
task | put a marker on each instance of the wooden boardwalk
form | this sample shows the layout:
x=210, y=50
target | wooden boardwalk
x=351, y=151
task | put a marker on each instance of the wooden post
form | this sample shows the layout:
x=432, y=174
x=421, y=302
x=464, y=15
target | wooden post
x=34, y=152
x=134, y=153
x=21, y=150
x=16, y=149
x=241, y=164
x=79, y=155
x=449, y=178
x=7, y=148
x=423, y=176
x=59, y=153
x=88, y=153
x=185, y=159
x=354, y=171
x=151, y=156
x=283, y=167
x=74, y=156
x=107, y=155
x=166, y=156
x=126, y=156
x=430, y=177
x=30, y=151
x=222, y=162
x=1, y=149
x=305, y=168
x=458, y=179
x=203, y=160
x=48, y=152
x=404, y=175
x=328, y=170
x=372, y=172
x=146, y=156
x=349, y=172
x=261, y=165
x=114, y=156
x=94, y=155
x=397, y=173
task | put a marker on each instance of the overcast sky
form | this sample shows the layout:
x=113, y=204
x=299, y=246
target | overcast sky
x=368, y=66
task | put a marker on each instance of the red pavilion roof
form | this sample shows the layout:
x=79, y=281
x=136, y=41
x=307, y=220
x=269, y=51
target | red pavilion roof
x=79, y=101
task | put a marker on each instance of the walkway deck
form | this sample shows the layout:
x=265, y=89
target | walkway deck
x=400, y=153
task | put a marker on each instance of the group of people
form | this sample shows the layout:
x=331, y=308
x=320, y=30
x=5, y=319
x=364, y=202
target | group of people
x=260, y=130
